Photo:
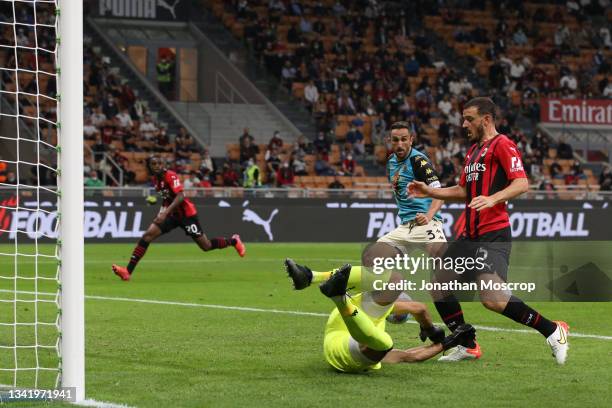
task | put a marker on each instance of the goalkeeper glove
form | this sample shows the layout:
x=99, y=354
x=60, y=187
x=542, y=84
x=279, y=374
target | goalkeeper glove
x=434, y=333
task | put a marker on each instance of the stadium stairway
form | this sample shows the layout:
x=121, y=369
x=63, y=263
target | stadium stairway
x=157, y=109
x=229, y=120
x=265, y=82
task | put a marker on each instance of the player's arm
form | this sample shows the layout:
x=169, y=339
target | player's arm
x=420, y=313
x=425, y=172
x=412, y=355
x=516, y=187
x=420, y=189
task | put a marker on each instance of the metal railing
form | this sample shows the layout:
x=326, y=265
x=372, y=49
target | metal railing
x=193, y=112
x=230, y=96
x=105, y=162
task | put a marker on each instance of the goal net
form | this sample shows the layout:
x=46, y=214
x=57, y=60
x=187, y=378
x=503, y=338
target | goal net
x=41, y=296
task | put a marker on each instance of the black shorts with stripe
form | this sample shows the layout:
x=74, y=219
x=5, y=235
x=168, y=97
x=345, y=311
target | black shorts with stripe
x=493, y=248
x=191, y=225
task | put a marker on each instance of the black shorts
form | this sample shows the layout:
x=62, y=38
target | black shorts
x=191, y=225
x=493, y=249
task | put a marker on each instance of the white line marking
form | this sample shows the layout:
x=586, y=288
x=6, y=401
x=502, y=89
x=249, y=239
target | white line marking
x=289, y=312
x=100, y=404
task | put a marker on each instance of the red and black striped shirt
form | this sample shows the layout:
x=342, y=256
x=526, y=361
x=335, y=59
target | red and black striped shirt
x=489, y=168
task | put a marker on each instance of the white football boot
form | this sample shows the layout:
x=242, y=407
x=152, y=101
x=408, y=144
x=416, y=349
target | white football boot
x=462, y=353
x=559, y=342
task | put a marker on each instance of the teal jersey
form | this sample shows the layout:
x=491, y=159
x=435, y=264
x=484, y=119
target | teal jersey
x=416, y=166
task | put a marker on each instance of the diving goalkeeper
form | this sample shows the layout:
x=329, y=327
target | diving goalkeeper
x=355, y=336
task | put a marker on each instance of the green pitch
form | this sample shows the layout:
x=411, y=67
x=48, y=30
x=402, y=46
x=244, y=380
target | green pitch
x=193, y=351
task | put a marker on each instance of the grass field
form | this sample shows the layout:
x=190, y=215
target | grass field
x=197, y=329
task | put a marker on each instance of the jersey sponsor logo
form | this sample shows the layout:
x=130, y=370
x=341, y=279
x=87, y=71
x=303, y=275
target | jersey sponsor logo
x=516, y=164
x=472, y=171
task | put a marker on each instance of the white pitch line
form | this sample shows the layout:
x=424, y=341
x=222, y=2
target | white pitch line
x=294, y=312
x=290, y=312
x=100, y=404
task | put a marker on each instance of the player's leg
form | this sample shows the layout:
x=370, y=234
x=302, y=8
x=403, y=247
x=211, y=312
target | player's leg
x=302, y=276
x=446, y=303
x=374, y=342
x=503, y=302
x=448, y=306
x=192, y=228
x=150, y=235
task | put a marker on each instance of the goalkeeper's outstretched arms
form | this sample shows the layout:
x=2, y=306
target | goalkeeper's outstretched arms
x=462, y=335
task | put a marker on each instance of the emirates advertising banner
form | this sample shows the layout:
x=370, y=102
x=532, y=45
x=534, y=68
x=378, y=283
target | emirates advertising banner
x=597, y=112
x=297, y=220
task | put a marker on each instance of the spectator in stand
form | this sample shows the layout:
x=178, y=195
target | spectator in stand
x=89, y=130
x=229, y=176
x=447, y=172
x=285, y=176
x=248, y=151
x=99, y=149
x=182, y=153
x=147, y=128
x=301, y=145
x=569, y=81
x=191, y=181
x=445, y=105
x=205, y=179
x=162, y=141
x=109, y=107
x=322, y=167
x=246, y=135
x=207, y=163
x=346, y=106
x=298, y=164
x=124, y=119
x=273, y=163
x=93, y=180
x=98, y=118
x=564, y=150
x=349, y=165
x=556, y=171
x=311, y=95
x=321, y=144
x=605, y=178
x=275, y=141
x=288, y=74
x=379, y=127
x=251, y=175
x=355, y=138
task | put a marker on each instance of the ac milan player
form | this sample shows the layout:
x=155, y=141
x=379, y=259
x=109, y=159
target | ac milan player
x=492, y=174
x=176, y=211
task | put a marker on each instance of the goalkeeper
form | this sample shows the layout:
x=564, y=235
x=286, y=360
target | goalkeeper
x=355, y=336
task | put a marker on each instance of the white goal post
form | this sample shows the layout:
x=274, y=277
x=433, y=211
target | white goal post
x=42, y=321
x=70, y=184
